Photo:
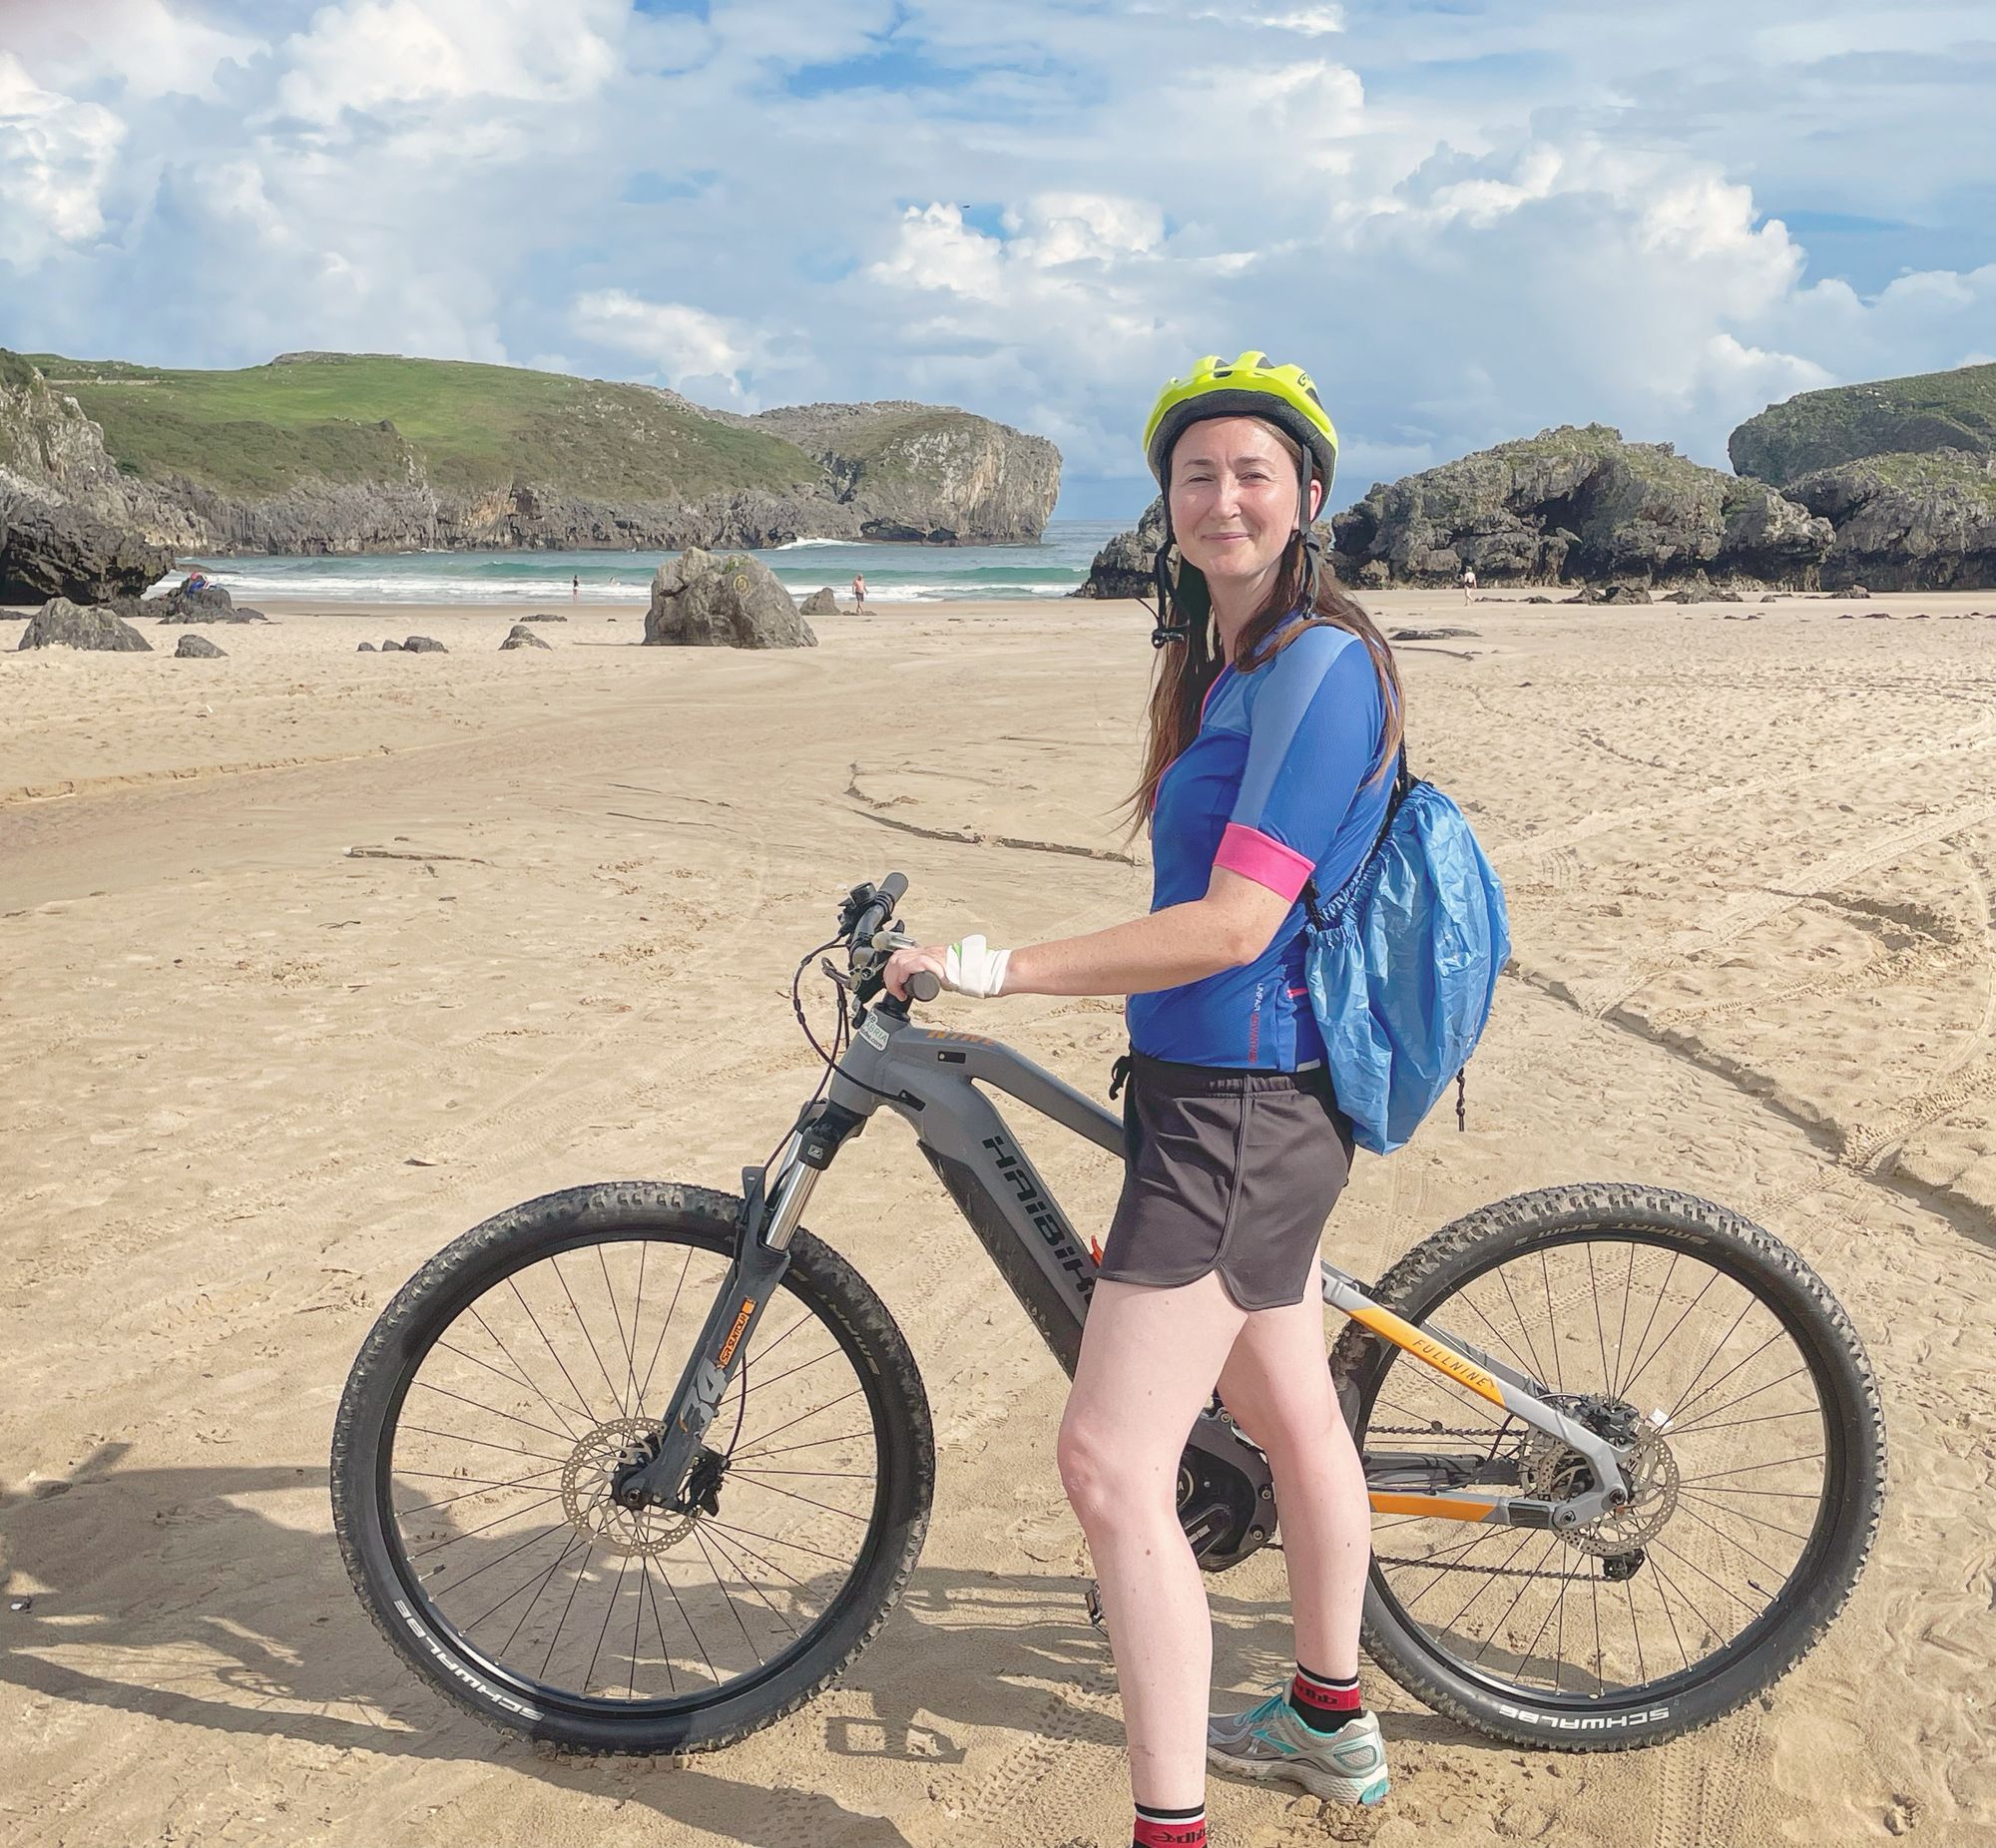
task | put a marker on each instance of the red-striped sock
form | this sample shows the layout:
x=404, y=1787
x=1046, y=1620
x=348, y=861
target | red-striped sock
x=1324, y=1703
x=1168, y=1828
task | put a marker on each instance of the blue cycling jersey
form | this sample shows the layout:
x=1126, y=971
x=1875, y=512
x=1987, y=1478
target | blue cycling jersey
x=1274, y=788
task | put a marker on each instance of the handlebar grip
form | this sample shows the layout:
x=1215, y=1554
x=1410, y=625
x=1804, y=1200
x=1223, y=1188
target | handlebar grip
x=923, y=986
x=891, y=891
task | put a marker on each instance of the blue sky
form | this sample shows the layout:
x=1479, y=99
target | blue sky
x=1468, y=221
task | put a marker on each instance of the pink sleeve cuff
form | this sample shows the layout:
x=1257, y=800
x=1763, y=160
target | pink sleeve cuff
x=1252, y=854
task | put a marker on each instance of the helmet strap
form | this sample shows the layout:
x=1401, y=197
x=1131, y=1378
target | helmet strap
x=1167, y=629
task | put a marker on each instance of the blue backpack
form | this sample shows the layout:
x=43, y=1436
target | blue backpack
x=1403, y=964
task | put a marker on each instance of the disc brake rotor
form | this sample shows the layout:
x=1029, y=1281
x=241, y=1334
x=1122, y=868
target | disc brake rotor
x=586, y=1499
x=1550, y=1470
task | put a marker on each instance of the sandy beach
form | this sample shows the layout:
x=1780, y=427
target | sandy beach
x=253, y=1081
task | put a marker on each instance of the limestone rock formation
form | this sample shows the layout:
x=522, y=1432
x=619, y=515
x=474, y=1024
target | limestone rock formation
x=1908, y=522
x=926, y=471
x=1577, y=505
x=520, y=636
x=597, y=465
x=54, y=550
x=699, y=601
x=1817, y=430
x=62, y=624
x=423, y=645
x=197, y=647
x=819, y=602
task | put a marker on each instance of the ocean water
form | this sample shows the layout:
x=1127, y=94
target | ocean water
x=894, y=574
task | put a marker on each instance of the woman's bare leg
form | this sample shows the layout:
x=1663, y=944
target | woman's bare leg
x=1148, y=1358
x=1277, y=1383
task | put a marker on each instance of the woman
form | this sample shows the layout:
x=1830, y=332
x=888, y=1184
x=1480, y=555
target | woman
x=1273, y=728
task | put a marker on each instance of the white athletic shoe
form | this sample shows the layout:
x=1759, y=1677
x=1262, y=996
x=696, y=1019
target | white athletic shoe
x=1270, y=1741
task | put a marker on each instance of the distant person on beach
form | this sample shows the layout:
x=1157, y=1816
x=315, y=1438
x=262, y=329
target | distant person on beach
x=575, y=589
x=859, y=592
x=1272, y=732
x=1469, y=584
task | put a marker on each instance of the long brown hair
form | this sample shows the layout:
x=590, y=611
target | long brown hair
x=1189, y=667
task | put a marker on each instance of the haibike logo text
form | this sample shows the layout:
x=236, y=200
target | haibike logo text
x=1044, y=1214
x=735, y=1334
x=1585, y=1722
x=450, y=1664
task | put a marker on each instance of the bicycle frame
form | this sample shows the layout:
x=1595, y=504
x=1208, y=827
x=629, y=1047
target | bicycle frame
x=1227, y=1498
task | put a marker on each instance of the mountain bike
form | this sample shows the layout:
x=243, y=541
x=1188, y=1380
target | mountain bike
x=643, y=1467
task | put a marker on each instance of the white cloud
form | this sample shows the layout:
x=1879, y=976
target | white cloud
x=150, y=48
x=369, y=52
x=55, y=158
x=681, y=342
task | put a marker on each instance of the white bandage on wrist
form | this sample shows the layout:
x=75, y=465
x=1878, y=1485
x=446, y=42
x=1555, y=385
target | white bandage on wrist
x=971, y=969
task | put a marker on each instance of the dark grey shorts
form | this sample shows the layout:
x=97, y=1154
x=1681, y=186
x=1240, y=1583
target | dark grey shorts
x=1227, y=1171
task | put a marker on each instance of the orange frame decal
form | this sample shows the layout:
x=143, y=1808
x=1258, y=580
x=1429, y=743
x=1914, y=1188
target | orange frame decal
x=1444, y=1359
x=1439, y=1507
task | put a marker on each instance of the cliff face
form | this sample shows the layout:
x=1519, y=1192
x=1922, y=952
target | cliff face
x=1816, y=430
x=916, y=471
x=1908, y=522
x=1578, y=504
x=497, y=458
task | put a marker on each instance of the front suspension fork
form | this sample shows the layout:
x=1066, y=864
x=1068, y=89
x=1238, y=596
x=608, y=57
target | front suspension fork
x=761, y=1256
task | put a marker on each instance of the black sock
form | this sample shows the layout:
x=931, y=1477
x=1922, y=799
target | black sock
x=1168, y=1828
x=1324, y=1703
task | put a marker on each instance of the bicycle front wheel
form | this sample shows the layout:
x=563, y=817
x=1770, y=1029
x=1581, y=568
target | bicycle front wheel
x=1758, y=1469
x=504, y=1385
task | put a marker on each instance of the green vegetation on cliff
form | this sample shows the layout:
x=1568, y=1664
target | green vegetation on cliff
x=463, y=427
x=1818, y=429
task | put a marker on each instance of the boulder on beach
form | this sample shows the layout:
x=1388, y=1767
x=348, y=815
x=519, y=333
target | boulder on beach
x=699, y=601
x=392, y=647
x=52, y=550
x=209, y=604
x=820, y=602
x=197, y=647
x=62, y=624
x=423, y=645
x=366, y=648
x=520, y=636
x=542, y=618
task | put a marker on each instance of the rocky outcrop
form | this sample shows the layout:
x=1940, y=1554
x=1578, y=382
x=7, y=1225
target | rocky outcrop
x=62, y=624
x=183, y=604
x=1122, y=567
x=699, y=601
x=423, y=645
x=520, y=636
x=893, y=470
x=1816, y=430
x=1576, y=505
x=819, y=602
x=197, y=647
x=52, y=550
x=926, y=472
x=1908, y=522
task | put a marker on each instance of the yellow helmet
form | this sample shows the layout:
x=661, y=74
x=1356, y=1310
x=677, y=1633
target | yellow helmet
x=1248, y=386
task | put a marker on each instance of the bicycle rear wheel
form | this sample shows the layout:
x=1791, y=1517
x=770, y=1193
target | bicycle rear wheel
x=1758, y=1474
x=501, y=1389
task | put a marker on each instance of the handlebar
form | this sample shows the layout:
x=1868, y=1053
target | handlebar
x=868, y=912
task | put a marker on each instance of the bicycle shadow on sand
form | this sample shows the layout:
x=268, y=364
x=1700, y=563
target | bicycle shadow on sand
x=217, y=1598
